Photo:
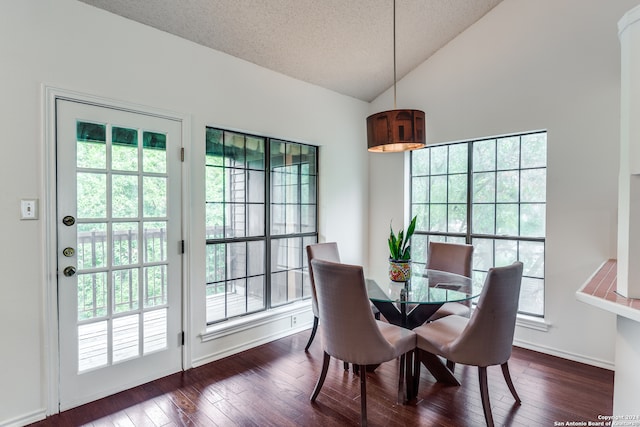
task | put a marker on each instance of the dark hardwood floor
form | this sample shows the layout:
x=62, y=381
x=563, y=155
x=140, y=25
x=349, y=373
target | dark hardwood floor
x=270, y=386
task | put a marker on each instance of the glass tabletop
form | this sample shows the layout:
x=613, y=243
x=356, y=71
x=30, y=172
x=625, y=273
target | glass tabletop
x=431, y=287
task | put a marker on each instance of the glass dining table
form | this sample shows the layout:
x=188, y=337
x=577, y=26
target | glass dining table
x=410, y=304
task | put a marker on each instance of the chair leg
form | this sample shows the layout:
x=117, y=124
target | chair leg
x=484, y=394
x=416, y=372
x=346, y=366
x=408, y=366
x=507, y=378
x=313, y=333
x=363, y=394
x=402, y=395
x=323, y=375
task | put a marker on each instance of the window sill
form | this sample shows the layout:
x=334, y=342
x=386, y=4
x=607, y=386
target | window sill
x=531, y=322
x=244, y=323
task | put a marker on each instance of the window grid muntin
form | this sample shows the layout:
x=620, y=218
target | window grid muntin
x=469, y=236
x=267, y=237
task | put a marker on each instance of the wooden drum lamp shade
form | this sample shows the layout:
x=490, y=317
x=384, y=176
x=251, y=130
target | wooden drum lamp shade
x=396, y=130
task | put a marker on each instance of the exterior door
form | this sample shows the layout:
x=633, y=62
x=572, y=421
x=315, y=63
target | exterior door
x=119, y=249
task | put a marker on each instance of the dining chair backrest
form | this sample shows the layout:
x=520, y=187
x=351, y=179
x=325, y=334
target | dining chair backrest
x=483, y=340
x=348, y=328
x=488, y=336
x=452, y=257
x=325, y=251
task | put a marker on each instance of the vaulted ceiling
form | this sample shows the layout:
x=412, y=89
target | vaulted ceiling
x=342, y=45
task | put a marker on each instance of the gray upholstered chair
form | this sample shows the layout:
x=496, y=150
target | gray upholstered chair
x=454, y=258
x=485, y=339
x=328, y=252
x=349, y=331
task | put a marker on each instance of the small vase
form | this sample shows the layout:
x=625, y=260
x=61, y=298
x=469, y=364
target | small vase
x=399, y=271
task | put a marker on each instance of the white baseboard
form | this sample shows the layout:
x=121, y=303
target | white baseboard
x=23, y=420
x=606, y=364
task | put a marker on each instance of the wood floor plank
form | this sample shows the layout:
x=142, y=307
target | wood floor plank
x=270, y=386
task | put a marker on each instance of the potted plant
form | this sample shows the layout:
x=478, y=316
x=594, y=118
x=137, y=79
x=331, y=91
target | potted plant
x=400, y=253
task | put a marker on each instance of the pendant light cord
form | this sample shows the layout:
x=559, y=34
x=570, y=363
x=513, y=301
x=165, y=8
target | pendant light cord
x=394, y=55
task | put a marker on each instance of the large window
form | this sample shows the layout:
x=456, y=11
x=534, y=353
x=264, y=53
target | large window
x=490, y=193
x=261, y=212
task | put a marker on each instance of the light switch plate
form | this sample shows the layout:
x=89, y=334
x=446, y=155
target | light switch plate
x=29, y=209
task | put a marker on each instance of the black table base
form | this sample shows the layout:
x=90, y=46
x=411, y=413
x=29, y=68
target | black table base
x=415, y=317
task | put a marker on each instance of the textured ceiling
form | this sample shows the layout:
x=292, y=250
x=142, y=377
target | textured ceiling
x=342, y=45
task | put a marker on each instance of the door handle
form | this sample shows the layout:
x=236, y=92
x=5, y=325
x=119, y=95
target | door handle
x=69, y=271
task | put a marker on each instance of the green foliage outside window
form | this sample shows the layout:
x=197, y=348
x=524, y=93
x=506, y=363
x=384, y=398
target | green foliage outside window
x=490, y=193
x=126, y=254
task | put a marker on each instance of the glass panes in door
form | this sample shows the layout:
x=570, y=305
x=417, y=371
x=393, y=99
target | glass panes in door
x=121, y=176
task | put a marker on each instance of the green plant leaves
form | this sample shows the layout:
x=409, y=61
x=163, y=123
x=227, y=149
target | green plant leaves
x=399, y=248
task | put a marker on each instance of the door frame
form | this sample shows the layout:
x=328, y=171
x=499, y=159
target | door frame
x=50, y=324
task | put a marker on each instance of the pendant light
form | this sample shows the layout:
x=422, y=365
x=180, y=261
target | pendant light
x=395, y=130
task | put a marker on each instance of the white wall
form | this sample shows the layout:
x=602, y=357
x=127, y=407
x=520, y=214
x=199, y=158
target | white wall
x=530, y=65
x=69, y=45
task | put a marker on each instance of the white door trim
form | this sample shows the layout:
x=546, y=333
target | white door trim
x=49, y=210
